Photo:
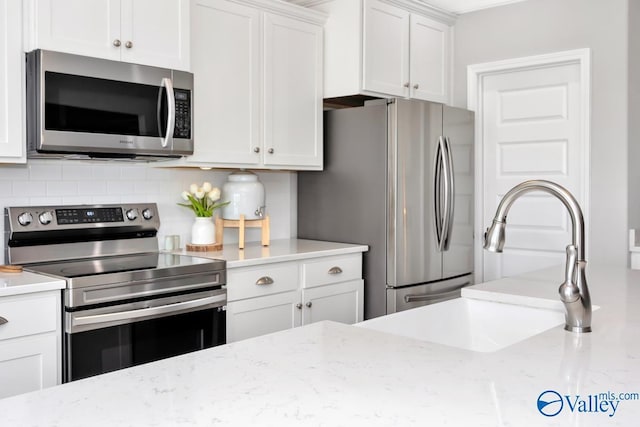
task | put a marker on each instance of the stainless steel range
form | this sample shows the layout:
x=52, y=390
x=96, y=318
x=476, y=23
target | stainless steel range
x=125, y=303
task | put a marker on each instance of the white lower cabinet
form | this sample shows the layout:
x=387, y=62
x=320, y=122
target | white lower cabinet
x=262, y=315
x=278, y=296
x=28, y=364
x=341, y=302
x=30, y=345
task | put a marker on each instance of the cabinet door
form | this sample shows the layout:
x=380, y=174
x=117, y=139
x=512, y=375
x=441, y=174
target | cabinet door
x=77, y=26
x=156, y=32
x=429, y=69
x=11, y=83
x=28, y=364
x=227, y=77
x=262, y=315
x=385, y=49
x=342, y=302
x=292, y=93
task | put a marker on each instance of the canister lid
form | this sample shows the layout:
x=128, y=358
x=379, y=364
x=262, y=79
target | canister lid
x=242, y=176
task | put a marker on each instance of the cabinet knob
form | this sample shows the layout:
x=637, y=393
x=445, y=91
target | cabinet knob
x=116, y=43
x=309, y=304
x=406, y=84
x=128, y=45
x=335, y=270
x=299, y=306
x=416, y=86
x=264, y=280
x=256, y=150
x=3, y=320
x=270, y=150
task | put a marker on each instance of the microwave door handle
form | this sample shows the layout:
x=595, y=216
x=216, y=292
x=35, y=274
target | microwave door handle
x=171, y=106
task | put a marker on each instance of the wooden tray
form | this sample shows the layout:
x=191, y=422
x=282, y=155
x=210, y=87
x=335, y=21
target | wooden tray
x=10, y=269
x=204, y=248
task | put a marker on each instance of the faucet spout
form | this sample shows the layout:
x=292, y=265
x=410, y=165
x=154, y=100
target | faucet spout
x=574, y=291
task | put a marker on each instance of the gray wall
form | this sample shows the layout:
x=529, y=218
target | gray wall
x=634, y=114
x=535, y=27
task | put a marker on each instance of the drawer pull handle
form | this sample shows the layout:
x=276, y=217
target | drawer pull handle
x=264, y=280
x=299, y=306
x=3, y=320
x=309, y=304
x=335, y=270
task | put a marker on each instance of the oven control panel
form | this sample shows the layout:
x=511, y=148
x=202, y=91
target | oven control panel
x=36, y=218
x=88, y=215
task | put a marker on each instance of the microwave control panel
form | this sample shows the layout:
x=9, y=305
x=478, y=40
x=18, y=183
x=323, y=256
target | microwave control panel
x=183, y=114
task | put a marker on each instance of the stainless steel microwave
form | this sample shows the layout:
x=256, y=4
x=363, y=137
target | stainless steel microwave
x=80, y=107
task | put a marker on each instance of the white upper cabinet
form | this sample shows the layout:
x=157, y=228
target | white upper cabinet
x=158, y=31
x=292, y=93
x=429, y=52
x=257, y=85
x=385, y=48
x=148, y=32
x=12, y=144
x=227, y=82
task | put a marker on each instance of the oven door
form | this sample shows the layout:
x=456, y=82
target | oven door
x=109, y=338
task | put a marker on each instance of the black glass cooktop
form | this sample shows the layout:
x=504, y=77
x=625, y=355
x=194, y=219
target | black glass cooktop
x=155, y=262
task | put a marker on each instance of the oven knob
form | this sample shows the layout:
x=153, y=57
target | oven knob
x=25, y=219
x=132, y=214
x=45, y=218
x=147, y=214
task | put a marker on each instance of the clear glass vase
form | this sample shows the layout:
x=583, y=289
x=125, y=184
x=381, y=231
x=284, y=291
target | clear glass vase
x=203, y=231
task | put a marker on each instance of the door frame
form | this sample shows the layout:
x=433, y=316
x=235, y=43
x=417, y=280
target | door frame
x=475, y=91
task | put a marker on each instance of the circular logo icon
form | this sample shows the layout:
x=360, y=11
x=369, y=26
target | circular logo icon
x=550, y=403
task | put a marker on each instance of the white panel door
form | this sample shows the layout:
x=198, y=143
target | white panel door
x=531, y=130
x=385, y=49
x=78, y=26
x=28, y=364
x=341, y=302
x=292, y=92
x=227, y=78
x=263, y=315
x=156, y=32
x=11, y=84
x=429, y=65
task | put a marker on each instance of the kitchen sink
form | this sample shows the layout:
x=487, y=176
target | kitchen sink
x=470, y=324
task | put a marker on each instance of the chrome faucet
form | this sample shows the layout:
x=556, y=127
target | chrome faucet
x=574, y=292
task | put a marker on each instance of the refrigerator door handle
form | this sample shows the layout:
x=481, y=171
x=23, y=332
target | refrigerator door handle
x=449, y=191
x=437, y=193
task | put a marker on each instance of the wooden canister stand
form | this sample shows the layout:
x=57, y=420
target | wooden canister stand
x=242, y=224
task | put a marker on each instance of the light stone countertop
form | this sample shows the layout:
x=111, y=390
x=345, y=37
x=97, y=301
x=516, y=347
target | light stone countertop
x=277, y=251
x=25, y=283
x=328, y=374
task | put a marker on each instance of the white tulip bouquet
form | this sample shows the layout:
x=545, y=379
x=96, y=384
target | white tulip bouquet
x=202, y=200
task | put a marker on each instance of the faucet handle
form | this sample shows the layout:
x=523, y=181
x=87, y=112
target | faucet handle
x=569, y=291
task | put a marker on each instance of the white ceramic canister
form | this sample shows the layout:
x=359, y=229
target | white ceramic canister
x=245, y=194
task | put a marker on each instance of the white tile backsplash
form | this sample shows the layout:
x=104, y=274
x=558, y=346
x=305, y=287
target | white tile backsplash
x=54, y=182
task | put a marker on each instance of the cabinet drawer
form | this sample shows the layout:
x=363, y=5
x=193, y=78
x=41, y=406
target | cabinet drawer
x=335, y=269
x=261, y=280
x=29, y=314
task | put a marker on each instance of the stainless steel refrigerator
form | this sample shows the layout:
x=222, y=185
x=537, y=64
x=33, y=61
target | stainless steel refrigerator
x=398, y=177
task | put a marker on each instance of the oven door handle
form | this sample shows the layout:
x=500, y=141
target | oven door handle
x=129, y=315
